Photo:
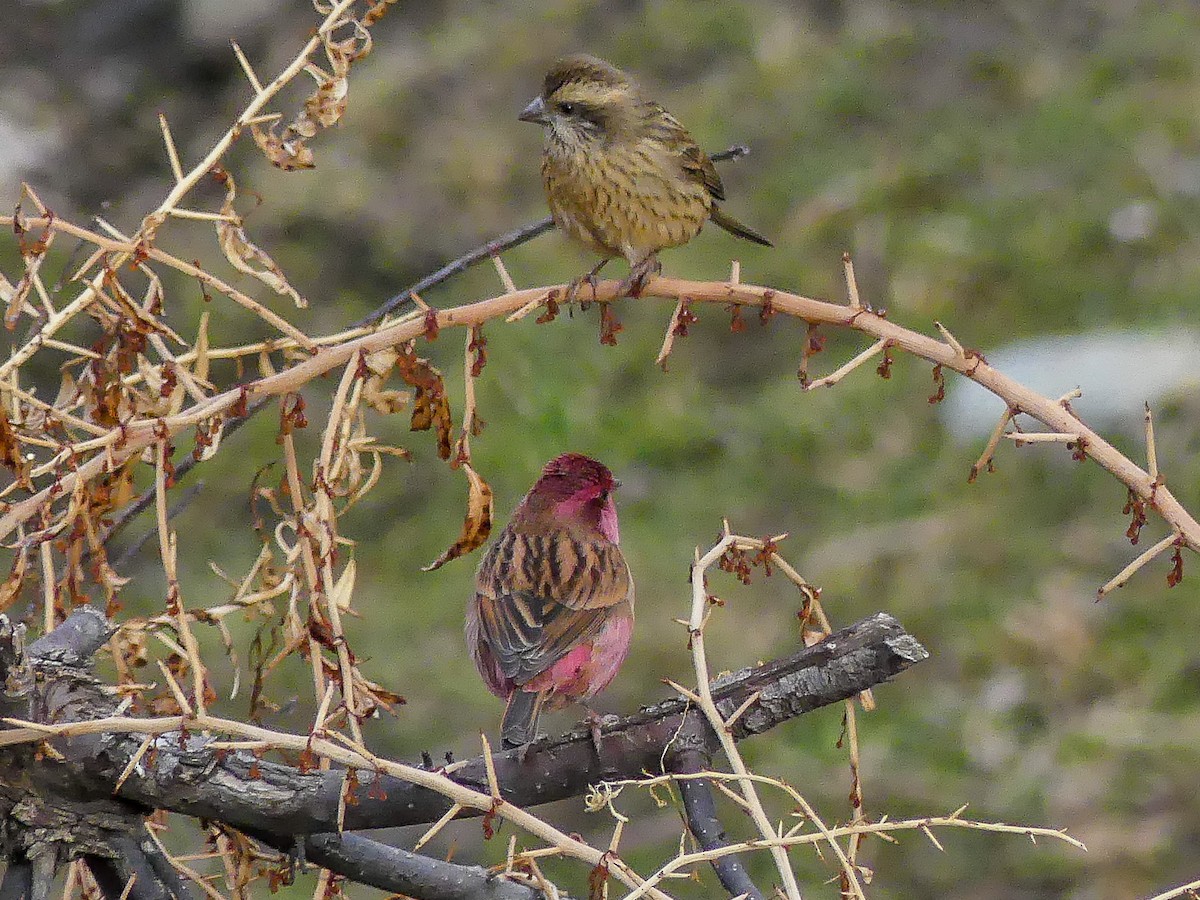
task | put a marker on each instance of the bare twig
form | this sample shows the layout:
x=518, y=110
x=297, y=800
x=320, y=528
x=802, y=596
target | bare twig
x=1184, y=890
x=989, y=451
x=1151, y=450
x=1122, y=577
x=851, y=282
x=1044, y=437
x=837, y=375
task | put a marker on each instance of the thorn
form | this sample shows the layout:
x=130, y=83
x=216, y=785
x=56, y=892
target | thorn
x=851, y=282
x=1065, y=400
x=834, y=377
x=951, y=340
x=505, y=278
x=1122, y=577
x=1040, y=437
x=1151, y=451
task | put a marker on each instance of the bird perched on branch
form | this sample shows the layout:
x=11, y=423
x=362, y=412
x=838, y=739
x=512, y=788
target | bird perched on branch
x=552, y=614
x=622, y=176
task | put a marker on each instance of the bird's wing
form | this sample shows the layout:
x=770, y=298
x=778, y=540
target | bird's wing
x=694, y=162
x=541, y=595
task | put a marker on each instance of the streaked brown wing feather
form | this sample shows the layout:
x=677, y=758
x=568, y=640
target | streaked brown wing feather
x=694, y=162
x=541, y=595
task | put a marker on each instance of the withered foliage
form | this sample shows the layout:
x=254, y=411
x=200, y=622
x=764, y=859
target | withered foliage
x=939, y=386
x=80, y=449
x=1175, y=576
x=1135, y=508
x=32, y=251
x=476, y=526
x=551, y=312
x=814, y=343
x=11, y=455
x=288, y=149
x=610, y=326
x=478, y=346
x=431, y=406
x=105, y=435
x=242, y=253
x=685, y=319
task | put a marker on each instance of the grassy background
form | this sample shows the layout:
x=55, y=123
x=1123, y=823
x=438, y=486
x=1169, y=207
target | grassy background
x=975, y=158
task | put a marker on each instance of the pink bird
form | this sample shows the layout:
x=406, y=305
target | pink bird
x=552, y=614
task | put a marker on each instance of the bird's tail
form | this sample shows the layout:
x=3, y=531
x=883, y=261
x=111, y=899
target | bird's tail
x=519, y=726
x=734, y=227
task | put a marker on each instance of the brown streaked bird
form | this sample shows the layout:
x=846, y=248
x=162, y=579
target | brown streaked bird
x=552, y=614
x=622, y=176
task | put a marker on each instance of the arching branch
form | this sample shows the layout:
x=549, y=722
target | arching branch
x=107, y=451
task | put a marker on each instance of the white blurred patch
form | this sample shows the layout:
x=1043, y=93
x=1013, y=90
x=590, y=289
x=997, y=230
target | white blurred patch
x=21, y=148
x=1118, y=372
x=1133, y=223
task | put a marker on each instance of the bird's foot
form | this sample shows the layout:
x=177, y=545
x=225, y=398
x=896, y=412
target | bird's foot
x=594, y=722
x=576, y=284
x=639, y=276
x=296, y=860
x=521, y=748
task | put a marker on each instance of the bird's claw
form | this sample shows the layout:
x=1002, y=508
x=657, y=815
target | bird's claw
x=522, y=749
x=594, y=721
x=639, y=276
x=590, y=279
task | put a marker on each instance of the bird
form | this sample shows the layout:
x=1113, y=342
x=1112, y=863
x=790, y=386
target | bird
x=552, y=614
x=622, y=175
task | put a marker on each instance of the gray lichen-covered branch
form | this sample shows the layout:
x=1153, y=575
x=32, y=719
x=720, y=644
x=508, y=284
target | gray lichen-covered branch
x=279, y=803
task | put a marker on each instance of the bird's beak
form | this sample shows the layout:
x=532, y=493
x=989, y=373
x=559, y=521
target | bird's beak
x=535, y=112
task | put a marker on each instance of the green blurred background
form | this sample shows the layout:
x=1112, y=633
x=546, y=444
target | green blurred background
x=1016, y=171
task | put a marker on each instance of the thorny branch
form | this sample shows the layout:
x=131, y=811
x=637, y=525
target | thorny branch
x=103, y=752
x=137, y=434
x=488, y=250
x=129, y=397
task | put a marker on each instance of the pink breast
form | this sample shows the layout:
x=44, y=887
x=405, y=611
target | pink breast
x=587, y=669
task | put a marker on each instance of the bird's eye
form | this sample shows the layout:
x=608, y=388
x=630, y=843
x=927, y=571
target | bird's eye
x=569, y=109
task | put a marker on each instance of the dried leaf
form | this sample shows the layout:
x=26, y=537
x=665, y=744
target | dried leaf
x=478, y=346
x=13, y=298
x=610, y=326
x=208, y=439
x=476, y=526
x=10, y=590
x=327, y=105
x=373, y=15
x=244, y=255
x=379, y=367
x=10, y=451
x=343, y=590
x=165, y=391
x=68, y=391
x=287, y=152
x=431, y=408
x=117, y=489
x=109, y=579
x=129, y=645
